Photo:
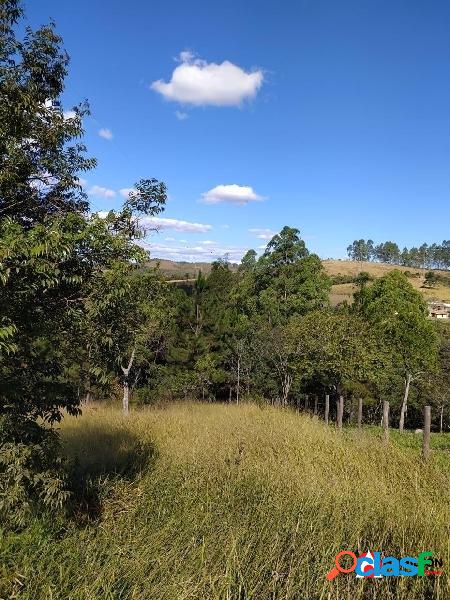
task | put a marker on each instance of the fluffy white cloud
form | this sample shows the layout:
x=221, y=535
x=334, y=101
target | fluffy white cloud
x=102, y=192
x=233, y=193
x=69, y=114
x=162, y=223
x=105, y=133
x=195, y=81
x=263, y=234
x=181, y=116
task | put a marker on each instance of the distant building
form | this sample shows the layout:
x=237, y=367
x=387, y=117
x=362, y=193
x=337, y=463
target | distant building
x=438, y=310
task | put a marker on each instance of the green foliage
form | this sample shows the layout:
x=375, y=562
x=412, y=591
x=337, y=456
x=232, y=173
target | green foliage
x=53, y=258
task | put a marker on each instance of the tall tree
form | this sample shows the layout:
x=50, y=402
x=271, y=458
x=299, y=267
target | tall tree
x=398, y=314
x=50, y=252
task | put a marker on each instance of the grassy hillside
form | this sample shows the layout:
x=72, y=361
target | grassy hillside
x=344, y=291
x=340, y=292
x=214, y=502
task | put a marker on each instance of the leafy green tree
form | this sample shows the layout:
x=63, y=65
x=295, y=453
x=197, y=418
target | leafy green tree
x=125, y=317
x=337, y=349
x=431, y=279
x=40, y=156
x=51, y=250
x=288, y=279
x=398, y=315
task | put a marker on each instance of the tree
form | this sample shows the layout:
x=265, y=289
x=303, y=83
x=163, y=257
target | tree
x=398, y=315
x=388, y=252
x=125, y=315
x=337, y=348
x=51, y=251
x=431, y=279
x=288, y=279
x=360, y=250
x=39, y=155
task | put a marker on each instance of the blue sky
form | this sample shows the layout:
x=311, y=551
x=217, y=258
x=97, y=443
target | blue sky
x=333, y=117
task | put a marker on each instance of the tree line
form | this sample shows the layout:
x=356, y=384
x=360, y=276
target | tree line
x=426, y=256
x=83, y=317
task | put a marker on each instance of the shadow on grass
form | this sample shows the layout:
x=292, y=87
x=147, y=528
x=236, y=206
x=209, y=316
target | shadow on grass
x=98, y=459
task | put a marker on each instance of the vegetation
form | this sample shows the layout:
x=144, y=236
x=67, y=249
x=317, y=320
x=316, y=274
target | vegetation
x=208, y=501
x=433, y=256
x=231, y=502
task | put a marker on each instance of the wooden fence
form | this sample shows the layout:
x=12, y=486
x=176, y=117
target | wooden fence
x=426, y=431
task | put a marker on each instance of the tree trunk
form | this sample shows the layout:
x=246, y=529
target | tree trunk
x=287, y=382
x=126, y=395
x=441, y=421
x=126, y=384
x=404, y=407
x=238, y=386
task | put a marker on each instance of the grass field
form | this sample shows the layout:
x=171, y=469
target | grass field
x=235, y=503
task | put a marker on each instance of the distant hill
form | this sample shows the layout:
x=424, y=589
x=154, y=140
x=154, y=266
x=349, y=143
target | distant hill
x=183, y=269
x=346, y=268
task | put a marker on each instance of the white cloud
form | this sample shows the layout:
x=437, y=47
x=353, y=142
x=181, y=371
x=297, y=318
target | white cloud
x=105, y=133
x=169, y=239
x=233, y=193
x=125, y=192
x=263, y=234
x=102, y=192
x=194, y=252
x=81, y=181
x=195, y=81
x=69, y=114
x=207, y=243
x=181, y=116
x=162, y=223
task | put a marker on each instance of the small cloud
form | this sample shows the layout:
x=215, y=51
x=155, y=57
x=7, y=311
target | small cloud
x=195, y=81
x=263, y=234
x=105, y=133
x=169, y=239
x=181, y=116
x=125, y=192
x=69, y=114
x=102, y=192
x=81, y=181
x=233, y=194
x=176, y=224
x=207, y=242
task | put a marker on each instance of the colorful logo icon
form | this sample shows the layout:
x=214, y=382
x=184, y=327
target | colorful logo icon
x=372, y=565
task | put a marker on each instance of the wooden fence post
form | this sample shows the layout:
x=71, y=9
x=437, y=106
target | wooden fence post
x=360, y=407
x=327, y=408
x=340, y=411
x=316, y=402
x=386, y=420
x=426, y=432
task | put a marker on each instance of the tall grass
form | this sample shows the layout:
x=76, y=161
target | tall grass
x=233, y=503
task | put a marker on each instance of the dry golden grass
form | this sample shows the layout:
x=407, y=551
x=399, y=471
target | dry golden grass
x=344, y=291
x=231, y=503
